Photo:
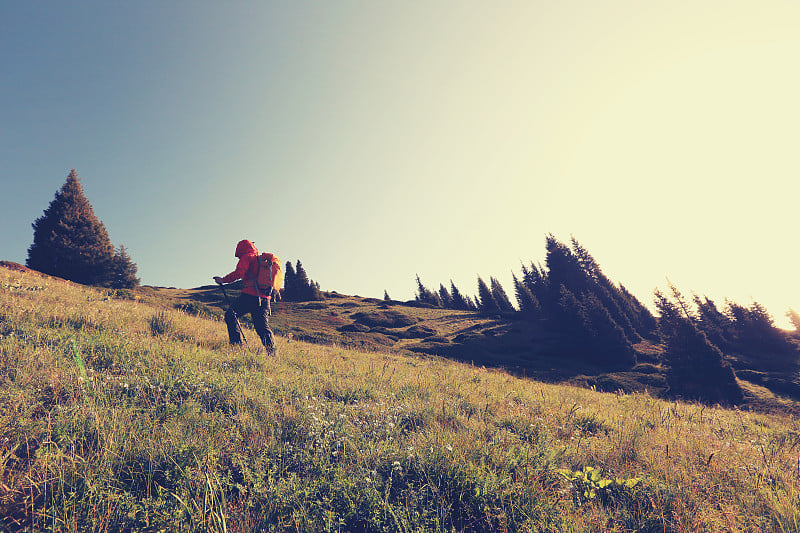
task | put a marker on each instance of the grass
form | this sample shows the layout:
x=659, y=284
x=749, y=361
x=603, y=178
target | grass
x=164, y=427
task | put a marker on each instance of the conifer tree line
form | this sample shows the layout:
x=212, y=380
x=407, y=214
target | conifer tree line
x=601, y=321
x=297, y=286
x=572, y=294
x=70, y=242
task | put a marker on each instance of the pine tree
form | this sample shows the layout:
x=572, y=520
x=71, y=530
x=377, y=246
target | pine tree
x=427, y=296
x=569, y=318
x=289, y=282
x=458, y=300
x=794, y=318
x=314, y=292
x=564, y=268
x=500, y=296
x=471, y=305
x=645, y=322
x=527, y=302
x=486, y=302
x=716, y=325
x=697, y=370
x=537, y=282
x=68, y=239
x=754, y=332
x=122, y=274
x=302, y=284
x=298, y=286
x=612, y=298
x=608, y=343
x=444, y=297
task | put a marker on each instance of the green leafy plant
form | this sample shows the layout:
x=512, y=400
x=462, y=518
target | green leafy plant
x=589, y=483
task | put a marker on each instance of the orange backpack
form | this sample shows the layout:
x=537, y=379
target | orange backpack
x=269, y=277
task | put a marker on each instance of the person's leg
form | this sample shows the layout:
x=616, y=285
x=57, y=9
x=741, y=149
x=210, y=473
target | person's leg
x=259, y=315
x=232, y=320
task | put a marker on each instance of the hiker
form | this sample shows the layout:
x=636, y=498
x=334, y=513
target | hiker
x=252, y=299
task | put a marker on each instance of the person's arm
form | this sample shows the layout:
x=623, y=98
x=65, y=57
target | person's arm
x=241, y=270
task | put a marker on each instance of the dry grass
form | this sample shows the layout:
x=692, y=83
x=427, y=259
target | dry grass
x=175, y=430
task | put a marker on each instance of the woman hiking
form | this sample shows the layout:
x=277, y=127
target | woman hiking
x=253, y=299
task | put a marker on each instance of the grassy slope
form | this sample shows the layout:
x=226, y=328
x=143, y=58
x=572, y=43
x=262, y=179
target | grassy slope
x=179, y=432
x=519, y=347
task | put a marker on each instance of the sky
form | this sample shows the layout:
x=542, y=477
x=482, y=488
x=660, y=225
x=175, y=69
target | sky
x=378, y=141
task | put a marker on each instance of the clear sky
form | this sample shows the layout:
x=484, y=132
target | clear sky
x=379, y=140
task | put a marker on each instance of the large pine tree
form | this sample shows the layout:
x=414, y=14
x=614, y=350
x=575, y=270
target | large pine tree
x=697, y=370
x=69, y=241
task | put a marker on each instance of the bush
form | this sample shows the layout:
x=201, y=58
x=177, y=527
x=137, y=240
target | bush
x=161, y=324
x=121, y=294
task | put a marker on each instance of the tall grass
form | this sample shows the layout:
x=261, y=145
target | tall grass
x=174, y=430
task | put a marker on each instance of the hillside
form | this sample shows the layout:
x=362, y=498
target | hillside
x=514, y=346
x=120, y=412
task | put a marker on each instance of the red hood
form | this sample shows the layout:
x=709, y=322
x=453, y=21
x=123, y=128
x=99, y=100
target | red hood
x=246, y=247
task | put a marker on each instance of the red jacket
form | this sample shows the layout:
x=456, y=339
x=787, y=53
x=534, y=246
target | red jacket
x=246, y=268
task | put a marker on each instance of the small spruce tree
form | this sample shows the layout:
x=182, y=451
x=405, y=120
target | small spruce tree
x=289, y=282
x=527, y=302
x=500, y=296
x=487, y=305
x=459, y=301
x=471, y=305
x=122, y=274
x=315, y=292
x=427, y=296
x=444, y=297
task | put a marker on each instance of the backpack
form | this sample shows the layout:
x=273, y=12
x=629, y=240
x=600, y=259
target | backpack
x=269, y=276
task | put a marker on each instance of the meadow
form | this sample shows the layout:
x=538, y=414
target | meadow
x=119, y=412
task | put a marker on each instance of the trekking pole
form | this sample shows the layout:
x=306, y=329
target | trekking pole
x=238, y=326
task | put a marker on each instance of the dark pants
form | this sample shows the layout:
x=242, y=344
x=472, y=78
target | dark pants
x=248, y=303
